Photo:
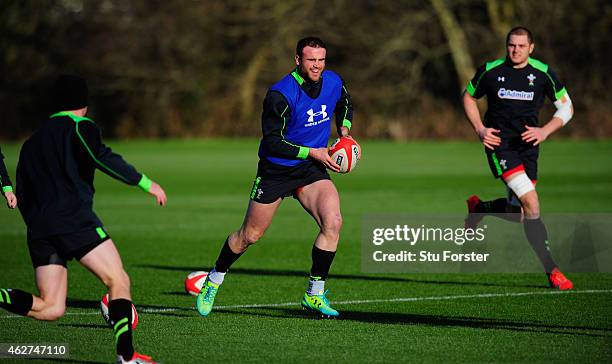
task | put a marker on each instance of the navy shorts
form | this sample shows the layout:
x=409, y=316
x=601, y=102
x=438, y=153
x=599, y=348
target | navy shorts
x=59, y=249
x=506, y=160
x=274, y=181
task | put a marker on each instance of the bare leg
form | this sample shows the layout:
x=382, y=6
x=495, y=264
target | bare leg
x=322, y=201
x=257, y=220
x=52, y=282
x=104, y=261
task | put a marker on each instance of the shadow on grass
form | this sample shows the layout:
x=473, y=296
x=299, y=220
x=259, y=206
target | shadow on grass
x=369, y=278
x=394, y=318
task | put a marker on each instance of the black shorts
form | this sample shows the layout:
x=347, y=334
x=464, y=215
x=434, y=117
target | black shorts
x=274, y=181
x=59, y=249
x=508, y=159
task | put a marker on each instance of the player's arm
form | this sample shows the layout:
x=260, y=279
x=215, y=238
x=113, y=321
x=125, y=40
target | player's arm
x=344, y=112
x=112, y=163
x=6, y=187
x=556, y=92
x=274, y=120
x=488, y=136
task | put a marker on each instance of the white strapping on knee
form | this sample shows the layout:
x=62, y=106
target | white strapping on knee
x=520, y=185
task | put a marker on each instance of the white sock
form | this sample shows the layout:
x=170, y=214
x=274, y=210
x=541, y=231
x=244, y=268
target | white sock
x=216, y=277
x=315, y=287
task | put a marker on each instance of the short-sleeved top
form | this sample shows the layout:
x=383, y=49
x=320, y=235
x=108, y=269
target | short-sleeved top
x=514, y=95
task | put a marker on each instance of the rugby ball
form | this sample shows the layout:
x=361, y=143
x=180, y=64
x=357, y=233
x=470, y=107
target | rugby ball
x=106, y=316
x=194, y=282
x=346, y=153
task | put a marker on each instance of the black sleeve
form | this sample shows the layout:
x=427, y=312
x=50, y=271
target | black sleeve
x=555, y=89
x=5, y=180
x=274, y=120
x=103, y=157
x=344, y=109
x=475, y=87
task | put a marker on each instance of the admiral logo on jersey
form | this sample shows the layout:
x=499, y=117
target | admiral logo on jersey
x=514, y=95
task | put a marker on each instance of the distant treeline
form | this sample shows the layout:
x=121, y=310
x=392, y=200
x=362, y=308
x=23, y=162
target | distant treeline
x=201, y=68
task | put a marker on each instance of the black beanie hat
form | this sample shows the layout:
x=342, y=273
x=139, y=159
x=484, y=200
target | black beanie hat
x=69, y=93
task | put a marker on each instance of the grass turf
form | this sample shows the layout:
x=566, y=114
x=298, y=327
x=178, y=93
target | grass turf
x=208, y=183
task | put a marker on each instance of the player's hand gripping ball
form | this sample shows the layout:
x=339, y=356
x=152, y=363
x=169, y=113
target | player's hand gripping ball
x=194, y=282
x=106, y=316
x=346, y=153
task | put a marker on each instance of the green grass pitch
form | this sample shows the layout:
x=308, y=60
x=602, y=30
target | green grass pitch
x=444, y=317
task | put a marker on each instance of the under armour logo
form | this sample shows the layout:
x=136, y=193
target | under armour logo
x=503, y=163
x=312, y=114
x=259, y=193
x=501, y=79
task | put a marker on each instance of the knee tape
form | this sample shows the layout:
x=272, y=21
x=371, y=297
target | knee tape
x=520, y=185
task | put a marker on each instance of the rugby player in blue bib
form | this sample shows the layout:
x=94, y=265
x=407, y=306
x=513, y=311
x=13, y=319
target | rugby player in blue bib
x=293, y=161
x=515, y=87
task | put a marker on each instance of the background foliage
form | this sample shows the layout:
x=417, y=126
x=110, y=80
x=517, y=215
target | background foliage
x=201, y=68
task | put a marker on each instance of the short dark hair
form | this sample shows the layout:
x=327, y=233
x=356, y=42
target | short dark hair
x=520, y=30
x=308, y=42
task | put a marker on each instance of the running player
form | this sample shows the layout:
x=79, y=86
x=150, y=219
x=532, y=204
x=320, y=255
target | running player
x=55, y=189
x=293, y=158
x=515, y=87
x=6, y=187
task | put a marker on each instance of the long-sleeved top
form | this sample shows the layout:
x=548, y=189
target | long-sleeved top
x=5, y=180
x=296, y=116
x=55, y=175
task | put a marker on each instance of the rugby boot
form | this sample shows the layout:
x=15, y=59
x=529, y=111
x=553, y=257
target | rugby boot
x=319, y=305
x=559, y=281
x=472, y=219
x=136, y=359
x=206, y=298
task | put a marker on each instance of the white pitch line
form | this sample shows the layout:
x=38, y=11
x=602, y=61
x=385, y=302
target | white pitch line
x=359, y=302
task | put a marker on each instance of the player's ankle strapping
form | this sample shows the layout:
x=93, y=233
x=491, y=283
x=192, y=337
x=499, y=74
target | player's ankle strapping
x=321, y=262
x=216, y=277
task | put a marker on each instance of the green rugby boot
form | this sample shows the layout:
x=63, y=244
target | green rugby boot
x=206, y=298
x=319, y=304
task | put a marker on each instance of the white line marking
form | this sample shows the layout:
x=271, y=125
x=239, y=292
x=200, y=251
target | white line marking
x=357, y=302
